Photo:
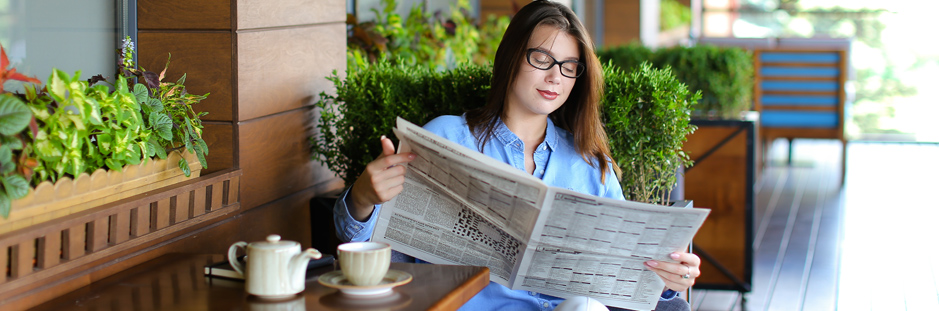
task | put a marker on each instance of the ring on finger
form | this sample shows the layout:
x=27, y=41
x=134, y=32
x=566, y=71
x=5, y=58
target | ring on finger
x=687, y=275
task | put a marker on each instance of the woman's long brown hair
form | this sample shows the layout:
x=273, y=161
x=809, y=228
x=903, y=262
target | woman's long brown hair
x=580, y=114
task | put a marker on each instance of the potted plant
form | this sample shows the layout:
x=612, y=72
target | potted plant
x=724, y=148
x=647, y=116
x=117, y=137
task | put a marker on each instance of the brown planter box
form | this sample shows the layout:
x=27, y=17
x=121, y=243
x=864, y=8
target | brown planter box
x=722, y=179
x=50, y=201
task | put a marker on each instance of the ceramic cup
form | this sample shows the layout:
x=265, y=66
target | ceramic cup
x=364, y=263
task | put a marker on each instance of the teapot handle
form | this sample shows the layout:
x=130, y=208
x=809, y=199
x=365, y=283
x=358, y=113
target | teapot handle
x=233, y=258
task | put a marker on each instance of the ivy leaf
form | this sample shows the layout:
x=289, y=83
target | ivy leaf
x=5, y=205
x=13, y=142
x=202, y=146
x=16, y=186
x=6, y=158
x=160, y=152
x=183, y=165
x=200, y=154
x=141, y=93
x=162, y=125
x=156, y=105
x=14, y=115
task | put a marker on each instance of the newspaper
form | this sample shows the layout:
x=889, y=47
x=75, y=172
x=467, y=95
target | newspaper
x=462, y=207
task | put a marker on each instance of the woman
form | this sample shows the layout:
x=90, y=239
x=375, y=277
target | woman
x=541, y=116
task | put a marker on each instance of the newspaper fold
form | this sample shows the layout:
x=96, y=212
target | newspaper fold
x=462, y=207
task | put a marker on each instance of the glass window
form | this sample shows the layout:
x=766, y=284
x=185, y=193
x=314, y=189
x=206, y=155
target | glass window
x=39, y=35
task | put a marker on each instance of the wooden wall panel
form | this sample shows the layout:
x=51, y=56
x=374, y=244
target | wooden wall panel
x=621, y=22
x=265, y=13
x=288, y=217
x=219, y=136
x=284, y=69
x=499, y=7
x=184, y=14
x=275, y=157
x=205, y=58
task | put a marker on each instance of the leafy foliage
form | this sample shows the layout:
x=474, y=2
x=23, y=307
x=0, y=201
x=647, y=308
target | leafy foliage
x=723, y=75
x=166, y=108
x=647, y=114
x=647, y=117
x=10, y=73
x=84, y=128
x=423, y=38
x=15, y=169
x=74, y=126
x=367, y=102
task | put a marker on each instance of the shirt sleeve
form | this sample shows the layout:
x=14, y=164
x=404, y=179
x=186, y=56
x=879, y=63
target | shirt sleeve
x=667, y=295
x=347, y=228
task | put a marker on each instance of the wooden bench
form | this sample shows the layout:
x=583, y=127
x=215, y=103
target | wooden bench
x=800, y=93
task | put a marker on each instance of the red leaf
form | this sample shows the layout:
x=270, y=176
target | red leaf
x=4, y=61
x=20, y=77
x=33, y=126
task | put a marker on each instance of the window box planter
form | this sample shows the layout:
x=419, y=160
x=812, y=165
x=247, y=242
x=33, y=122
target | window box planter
x=67, y=196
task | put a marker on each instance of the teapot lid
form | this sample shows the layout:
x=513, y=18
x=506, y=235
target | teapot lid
x=274, y=242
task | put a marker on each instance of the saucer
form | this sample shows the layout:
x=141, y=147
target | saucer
x=337, y=280
x=341, y=301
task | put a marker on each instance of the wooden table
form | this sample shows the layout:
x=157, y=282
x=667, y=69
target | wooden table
x=177, y=282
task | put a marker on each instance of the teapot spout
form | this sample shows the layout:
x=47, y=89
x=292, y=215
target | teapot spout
x=297, y=267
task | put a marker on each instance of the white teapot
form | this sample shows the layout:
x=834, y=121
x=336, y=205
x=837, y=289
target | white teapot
x=275, y=268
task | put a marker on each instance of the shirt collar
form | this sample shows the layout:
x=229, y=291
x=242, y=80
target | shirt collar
x=506, y=136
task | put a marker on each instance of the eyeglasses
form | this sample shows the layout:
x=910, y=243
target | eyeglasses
x=544, y=61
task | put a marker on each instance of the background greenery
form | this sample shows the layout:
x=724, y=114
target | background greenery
x=723, y=75
x=424, y=38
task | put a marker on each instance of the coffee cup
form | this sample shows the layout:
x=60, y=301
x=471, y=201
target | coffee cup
x=364, y=263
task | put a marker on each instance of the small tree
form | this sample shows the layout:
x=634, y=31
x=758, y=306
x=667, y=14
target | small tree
x=647, y=114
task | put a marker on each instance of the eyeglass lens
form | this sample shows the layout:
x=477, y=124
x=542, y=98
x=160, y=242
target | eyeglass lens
x=544, y=61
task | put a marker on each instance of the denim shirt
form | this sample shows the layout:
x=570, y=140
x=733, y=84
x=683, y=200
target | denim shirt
x=557, y=163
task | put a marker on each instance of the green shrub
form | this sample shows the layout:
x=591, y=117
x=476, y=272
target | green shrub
x=647, y=115
x=367, y=102
x=724, y=75
x=628, y=57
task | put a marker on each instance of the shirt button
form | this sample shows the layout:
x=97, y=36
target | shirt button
x=533, y=293
x=546, y=304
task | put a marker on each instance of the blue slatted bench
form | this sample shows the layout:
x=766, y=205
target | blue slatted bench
x=800, y=94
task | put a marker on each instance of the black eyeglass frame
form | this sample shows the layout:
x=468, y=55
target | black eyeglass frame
x=581, y=67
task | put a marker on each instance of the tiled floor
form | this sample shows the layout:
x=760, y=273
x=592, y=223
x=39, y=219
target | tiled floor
x=867, y=245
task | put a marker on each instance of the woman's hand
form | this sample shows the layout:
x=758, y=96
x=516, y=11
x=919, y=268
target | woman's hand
x=674, y=273
x=381, y=181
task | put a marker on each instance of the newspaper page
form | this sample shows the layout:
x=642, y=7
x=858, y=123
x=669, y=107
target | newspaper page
x=461, y=207
x=592, y=246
